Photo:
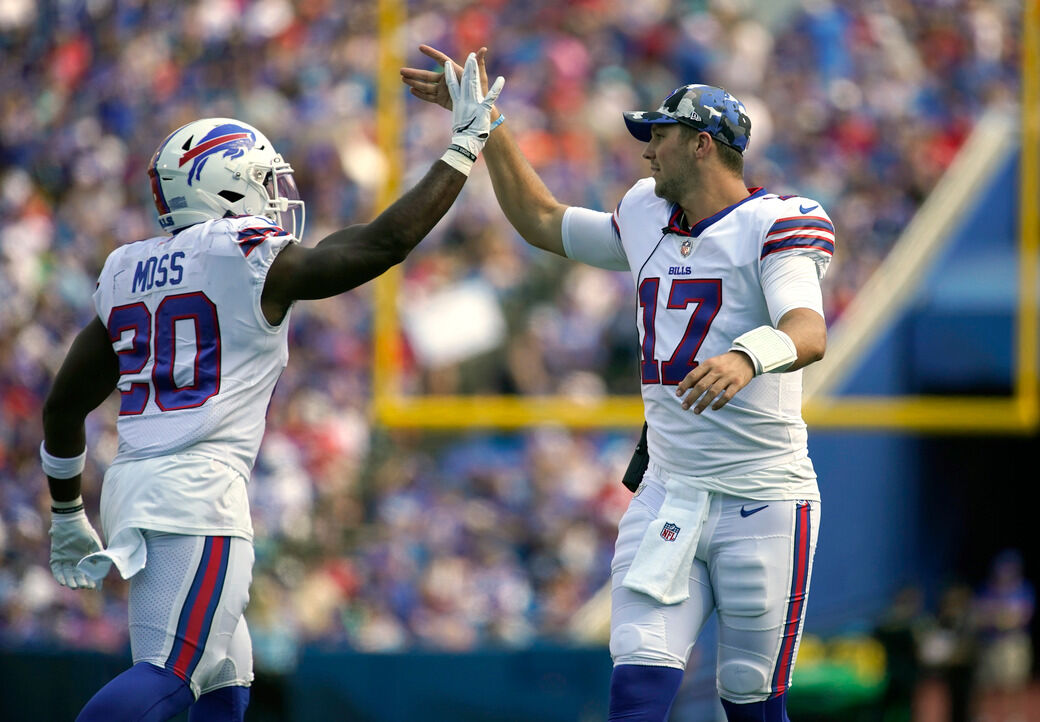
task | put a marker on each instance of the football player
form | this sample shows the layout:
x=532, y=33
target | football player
x=728, y=310
x=192, y=329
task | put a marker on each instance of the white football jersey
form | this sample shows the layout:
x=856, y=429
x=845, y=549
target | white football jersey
x=197, y=359
x=698, y=289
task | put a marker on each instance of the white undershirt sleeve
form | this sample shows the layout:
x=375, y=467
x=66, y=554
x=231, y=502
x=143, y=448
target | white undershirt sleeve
x=790, y=281
x=589, y=236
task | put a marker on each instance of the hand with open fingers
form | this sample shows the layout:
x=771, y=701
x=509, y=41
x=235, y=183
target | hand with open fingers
x=470, y=114
x=72, y=538
x=471, y=107
x=431, y=85
x=715, y=381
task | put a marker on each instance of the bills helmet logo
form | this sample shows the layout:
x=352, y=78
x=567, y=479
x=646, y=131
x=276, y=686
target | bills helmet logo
x=670, y=531
x=231, y=140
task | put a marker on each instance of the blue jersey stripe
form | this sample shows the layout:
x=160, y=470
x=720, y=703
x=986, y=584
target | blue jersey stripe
x=788, y=224
x=786, y=244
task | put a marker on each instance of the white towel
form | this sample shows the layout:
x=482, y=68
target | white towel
x=127, y=551
x=662, y=564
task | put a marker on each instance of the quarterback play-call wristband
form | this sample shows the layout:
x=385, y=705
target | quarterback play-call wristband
x=770, y=349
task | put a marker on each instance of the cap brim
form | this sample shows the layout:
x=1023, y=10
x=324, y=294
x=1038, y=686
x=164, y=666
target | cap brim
x=639, y=122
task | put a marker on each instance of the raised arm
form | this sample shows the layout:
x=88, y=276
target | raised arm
x=530, y=207
x=356, y=254
x=526, y=201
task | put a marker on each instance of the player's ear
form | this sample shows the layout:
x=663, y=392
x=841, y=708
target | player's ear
x=702, y=144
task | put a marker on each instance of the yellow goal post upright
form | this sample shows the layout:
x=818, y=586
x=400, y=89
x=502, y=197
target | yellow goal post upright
x=867, y=316
x=1018, y=413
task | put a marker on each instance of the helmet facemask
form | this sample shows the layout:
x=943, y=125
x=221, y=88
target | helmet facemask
x=284, y=206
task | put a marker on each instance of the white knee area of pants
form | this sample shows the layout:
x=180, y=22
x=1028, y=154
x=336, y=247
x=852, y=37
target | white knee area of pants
x=645, y=633
x=625, y=640
x=632, y=644
x=743, y=681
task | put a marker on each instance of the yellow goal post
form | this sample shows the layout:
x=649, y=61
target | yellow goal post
x=1017, y=413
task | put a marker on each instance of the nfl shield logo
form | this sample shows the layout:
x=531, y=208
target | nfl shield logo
x=670, y=531
x=685, y=247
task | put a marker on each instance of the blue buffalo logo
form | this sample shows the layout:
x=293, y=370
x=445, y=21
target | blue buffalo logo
x=229, y=139
x=670, y=531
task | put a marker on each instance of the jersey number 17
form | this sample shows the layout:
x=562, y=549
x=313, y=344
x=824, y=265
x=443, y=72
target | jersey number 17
x=707, y=294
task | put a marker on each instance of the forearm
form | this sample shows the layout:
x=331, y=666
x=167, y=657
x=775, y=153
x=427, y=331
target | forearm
x=408, y=220
x=527, y=203
x=86, y=378
x=808, y=331
x=65, y=437
x=63, y=430
x=65, y=489
x=352, y=256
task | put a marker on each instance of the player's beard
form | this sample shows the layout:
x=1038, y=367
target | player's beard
x=680, y=182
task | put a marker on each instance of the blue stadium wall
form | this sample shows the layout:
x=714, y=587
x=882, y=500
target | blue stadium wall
x=901, y=508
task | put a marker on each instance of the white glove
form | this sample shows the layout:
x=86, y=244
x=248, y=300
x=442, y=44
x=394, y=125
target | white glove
x=72, y=538
x=470, y=114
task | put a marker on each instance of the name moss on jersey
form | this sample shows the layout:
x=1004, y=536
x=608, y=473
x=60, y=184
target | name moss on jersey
x=197, y=359
x=698, y=289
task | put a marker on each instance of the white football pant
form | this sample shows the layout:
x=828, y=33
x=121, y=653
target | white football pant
x=186, y=609
x=753, y=565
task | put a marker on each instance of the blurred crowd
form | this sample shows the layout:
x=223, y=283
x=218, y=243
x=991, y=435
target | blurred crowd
x=389, y=541
x=971, y=650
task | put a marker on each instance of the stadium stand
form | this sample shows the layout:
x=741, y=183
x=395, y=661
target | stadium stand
x=368, y=541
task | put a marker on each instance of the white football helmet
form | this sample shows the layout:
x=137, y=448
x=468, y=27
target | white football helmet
x=218, y=167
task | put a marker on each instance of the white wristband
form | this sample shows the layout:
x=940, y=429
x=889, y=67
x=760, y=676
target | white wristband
x=457, y=158
x=59, y=468
x=770, y=349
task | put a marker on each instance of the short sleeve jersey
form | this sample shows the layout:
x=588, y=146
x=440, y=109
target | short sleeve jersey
x=197, y=359
x=698, y=288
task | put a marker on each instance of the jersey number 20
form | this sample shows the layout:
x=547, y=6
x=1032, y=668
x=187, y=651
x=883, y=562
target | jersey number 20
x=707, y=294
x=160, y=342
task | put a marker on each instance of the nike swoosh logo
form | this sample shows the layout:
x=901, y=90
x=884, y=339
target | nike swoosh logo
x=748, y=512
x=460, y=128
x=802, y=208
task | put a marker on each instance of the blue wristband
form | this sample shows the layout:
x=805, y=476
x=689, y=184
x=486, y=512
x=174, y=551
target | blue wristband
x=501, y=119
